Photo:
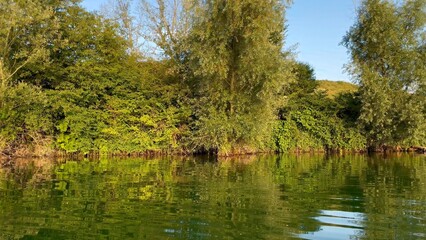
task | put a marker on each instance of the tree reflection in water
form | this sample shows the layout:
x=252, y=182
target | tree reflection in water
x=256, y=197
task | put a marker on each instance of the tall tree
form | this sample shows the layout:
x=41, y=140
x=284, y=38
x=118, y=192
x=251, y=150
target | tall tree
x=236, y=55
x=27, y=28
x=122, y=12
x=387, y=45
x=166, y=24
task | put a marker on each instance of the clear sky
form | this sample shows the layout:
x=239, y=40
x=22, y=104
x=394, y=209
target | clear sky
x=316, y=27
x=93, y=4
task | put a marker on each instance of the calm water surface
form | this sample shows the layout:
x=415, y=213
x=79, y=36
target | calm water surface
x=262, y=197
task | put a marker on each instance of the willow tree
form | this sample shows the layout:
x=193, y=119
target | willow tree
x=387, y=47
x=235, y=54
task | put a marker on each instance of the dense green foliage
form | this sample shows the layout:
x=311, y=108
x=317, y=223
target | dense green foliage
x=387, y=46
x=239, y=71
x=312, y=121
x=90, y=94
x=219, y=80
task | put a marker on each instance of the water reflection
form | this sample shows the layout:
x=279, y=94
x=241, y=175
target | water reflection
x=260, y=197
x=337, y=225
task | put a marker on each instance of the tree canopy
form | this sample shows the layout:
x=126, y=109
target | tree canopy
x=387, y=48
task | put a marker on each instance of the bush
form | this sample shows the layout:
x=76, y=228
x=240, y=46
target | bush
x=24, y=117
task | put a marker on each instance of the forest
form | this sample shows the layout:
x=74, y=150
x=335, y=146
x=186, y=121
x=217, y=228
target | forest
x=214, y=76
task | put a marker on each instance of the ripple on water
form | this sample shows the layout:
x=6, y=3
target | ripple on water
x=337, y=225
x=278, y=197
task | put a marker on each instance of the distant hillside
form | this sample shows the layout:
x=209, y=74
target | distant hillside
x=335, y=87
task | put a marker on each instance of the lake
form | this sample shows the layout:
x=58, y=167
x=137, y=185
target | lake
x=252, y=197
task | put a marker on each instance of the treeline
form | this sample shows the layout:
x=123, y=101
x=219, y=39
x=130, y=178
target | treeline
x=201, y=76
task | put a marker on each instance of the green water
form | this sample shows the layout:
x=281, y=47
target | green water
x=262, y=197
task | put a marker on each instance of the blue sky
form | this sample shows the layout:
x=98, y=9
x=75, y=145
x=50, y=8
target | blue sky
x=93, y=4
x=316, y=28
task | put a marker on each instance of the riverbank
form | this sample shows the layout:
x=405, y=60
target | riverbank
x=32, y=153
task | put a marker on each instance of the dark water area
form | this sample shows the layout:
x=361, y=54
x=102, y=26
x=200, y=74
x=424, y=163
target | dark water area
x=255, y=197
